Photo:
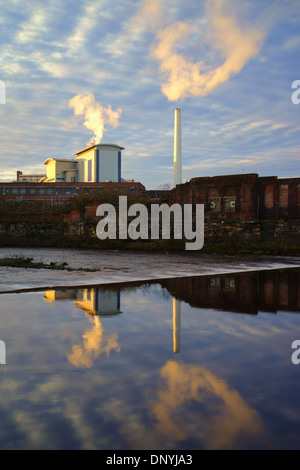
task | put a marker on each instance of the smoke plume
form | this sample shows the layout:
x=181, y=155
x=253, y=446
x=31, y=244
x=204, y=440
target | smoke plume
x=96, y=116
x=231, y=45
x=235, y=45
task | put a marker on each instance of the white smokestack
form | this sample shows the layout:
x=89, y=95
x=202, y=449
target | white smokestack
x=177, y=178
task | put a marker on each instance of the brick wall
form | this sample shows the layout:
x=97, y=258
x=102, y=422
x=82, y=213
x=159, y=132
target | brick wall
x=241, y=293
x=251, y=196
x=279, y=198
x=224, y=197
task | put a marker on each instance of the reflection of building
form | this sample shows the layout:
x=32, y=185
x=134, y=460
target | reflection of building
x=98, y=301
x=94, y=301
x=248, y=292
x=53, y=295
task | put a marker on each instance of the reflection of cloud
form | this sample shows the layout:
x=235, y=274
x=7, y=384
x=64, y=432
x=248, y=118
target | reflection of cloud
x=239, y=329
x=30, y=426
x=225, y=418
x=94, y=344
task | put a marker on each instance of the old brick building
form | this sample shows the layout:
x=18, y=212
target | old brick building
x=241, y=197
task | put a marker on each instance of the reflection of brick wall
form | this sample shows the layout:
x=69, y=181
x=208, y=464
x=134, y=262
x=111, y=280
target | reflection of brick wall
x=241, y=293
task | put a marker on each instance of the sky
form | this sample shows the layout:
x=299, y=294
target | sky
x=114, y=72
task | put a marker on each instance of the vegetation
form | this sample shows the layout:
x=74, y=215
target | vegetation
x=28, y=263
x=38, y=224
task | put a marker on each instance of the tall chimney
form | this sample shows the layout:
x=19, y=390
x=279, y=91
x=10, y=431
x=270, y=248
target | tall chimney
x=177, y=177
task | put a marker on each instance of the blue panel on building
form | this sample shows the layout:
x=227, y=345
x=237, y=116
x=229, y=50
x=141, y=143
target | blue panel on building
x=97, y=166
x=119, y=167
x=90, y=170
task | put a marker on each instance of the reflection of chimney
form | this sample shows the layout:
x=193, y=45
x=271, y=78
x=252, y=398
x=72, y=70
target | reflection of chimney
x=176, y=325
x=177, y=178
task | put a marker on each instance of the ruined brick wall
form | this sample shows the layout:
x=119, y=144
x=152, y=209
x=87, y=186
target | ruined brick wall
x=224, y=197
x=241, y=212
x=252, y=197
x=279, y=198
x=250, y=293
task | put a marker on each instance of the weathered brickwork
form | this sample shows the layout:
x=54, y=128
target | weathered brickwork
x=242, y=197
x=242, y=212
x=250, y=293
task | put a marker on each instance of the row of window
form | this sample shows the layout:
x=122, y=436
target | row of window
x=57, y=191
x=228, y=283
x=215, y=204
x=40, y=191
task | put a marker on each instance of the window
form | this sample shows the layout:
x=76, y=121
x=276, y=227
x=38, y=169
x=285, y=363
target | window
x=215, y=204
x=77, y=190
x=68, y=191
x=229, y=284
x=87, y=189
x=41, y=191
x=31, y=191
x=229, y=204
x=22, y=191
x=14, y=191
x=133, y=189
x=215, y=283
x=99, y=189
x=49, y=191
x=4, y=191
x=58, y=191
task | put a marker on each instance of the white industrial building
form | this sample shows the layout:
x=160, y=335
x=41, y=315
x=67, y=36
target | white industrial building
x=99, y=163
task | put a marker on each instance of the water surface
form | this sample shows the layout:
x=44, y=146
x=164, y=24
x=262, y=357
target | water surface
x=190, y=363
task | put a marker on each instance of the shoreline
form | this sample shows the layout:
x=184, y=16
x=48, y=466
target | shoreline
x=120, y=267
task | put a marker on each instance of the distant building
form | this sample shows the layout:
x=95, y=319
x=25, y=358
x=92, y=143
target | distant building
x=99, y=163
x=29, y=178
x=61, y=171
x=61, y=192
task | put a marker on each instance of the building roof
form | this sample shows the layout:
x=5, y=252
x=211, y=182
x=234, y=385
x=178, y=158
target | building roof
x=99, y=146
x=71, y=160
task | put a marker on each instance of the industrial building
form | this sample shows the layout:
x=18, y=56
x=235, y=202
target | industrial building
x=62, y=192
x=98, y=168
x=95, y=169
x=31, y=178
x=100, y=163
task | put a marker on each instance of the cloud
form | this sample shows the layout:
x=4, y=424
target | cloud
x=33, y=27
x=87, y=21
x=231, y=45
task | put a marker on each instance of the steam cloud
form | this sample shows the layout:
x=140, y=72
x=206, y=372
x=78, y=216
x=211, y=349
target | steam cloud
x=96, y=116
x=231, y=43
